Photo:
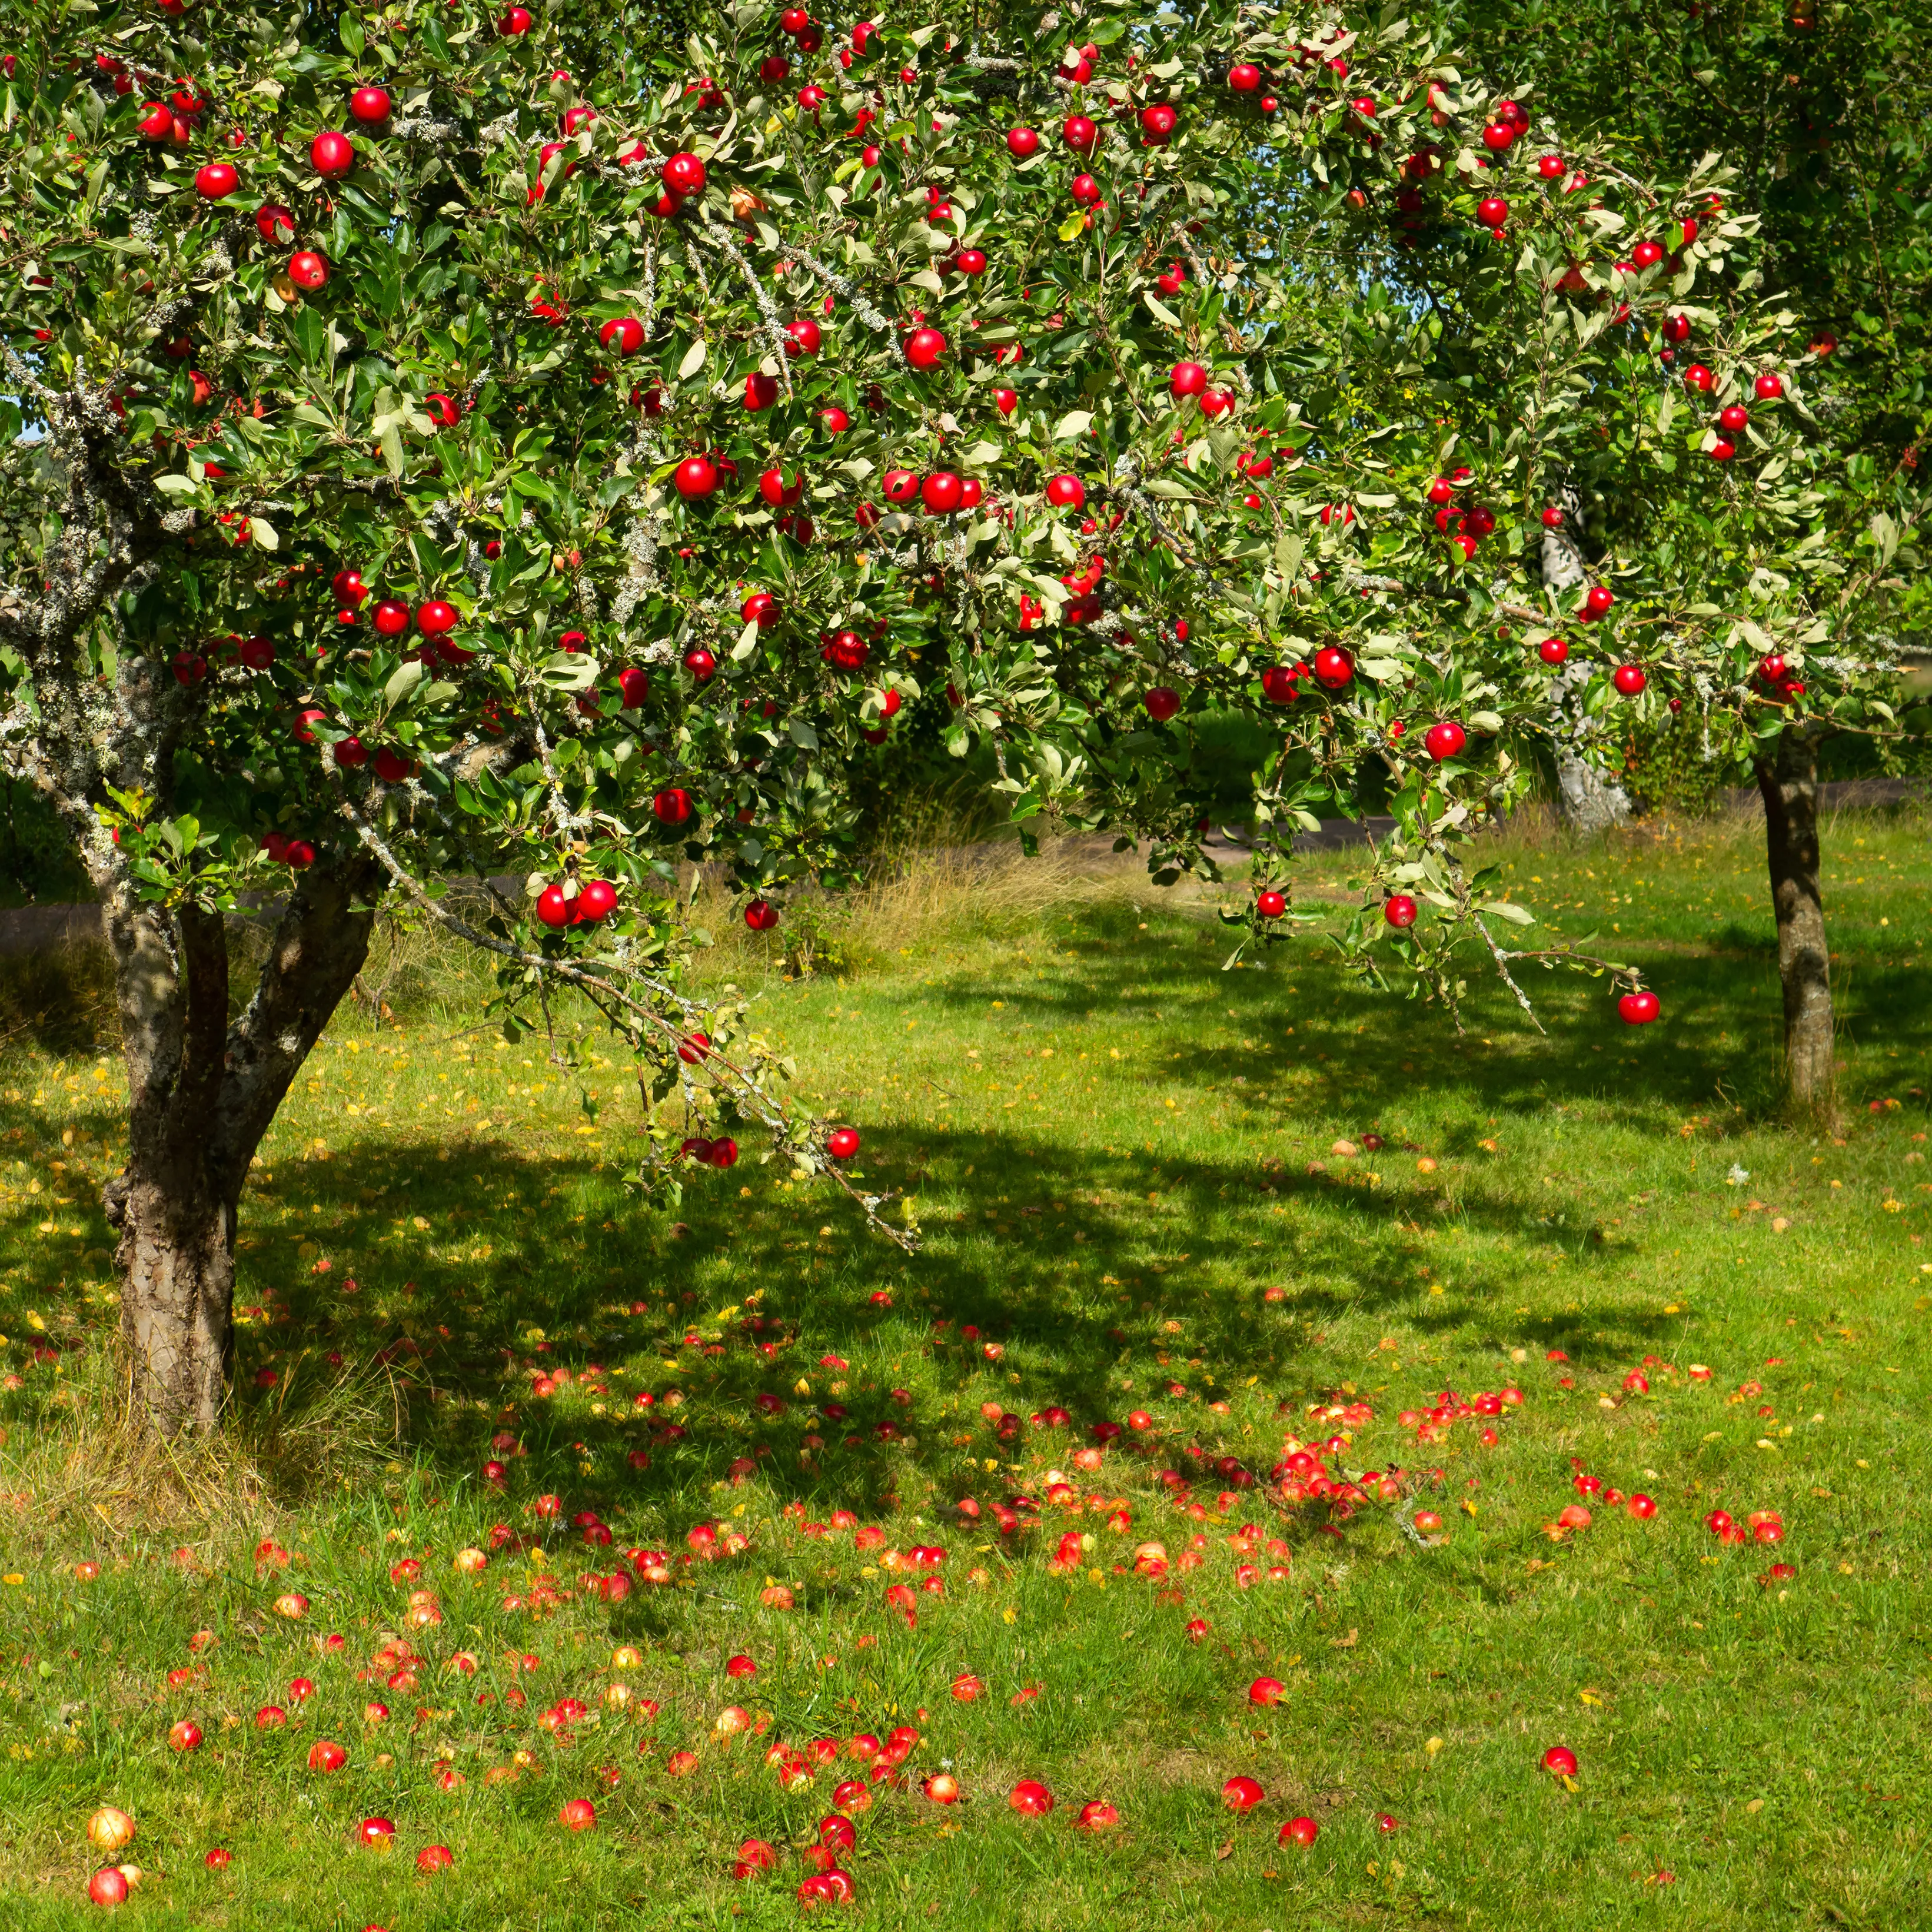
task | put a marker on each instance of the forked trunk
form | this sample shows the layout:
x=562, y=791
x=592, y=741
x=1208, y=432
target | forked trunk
x=201, y=1093
x=1790, y=785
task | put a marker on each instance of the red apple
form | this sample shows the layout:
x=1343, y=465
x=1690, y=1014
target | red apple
x=1031, y=1798
x=1639, y=1009
x=1445, y=740
x=1298, y=1832
x=842, y=1143
x=1241, y=1794
x=1399, y=910
x=1560, y=1760
x=216, y=180
x=331, y=155
x=578, y=1814
x=1097, y=1815
x=108, y=1887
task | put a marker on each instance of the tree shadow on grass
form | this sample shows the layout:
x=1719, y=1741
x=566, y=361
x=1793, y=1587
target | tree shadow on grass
x=1073, y=1288
x=1719, y=1041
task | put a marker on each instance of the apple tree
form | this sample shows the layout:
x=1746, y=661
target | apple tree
x=448, y=444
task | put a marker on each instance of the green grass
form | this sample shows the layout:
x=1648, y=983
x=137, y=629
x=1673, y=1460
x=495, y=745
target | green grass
x=1119, y=1156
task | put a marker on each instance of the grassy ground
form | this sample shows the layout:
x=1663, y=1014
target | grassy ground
x=1127, y=1164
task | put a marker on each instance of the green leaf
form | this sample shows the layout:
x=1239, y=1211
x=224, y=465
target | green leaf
x=404, y=679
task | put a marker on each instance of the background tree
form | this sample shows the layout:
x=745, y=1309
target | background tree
x=466, y=445
x=1821, y=108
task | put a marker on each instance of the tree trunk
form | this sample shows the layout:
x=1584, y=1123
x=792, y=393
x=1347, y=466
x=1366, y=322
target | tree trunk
x=1790, y=789
x=1587, y=799
x=201, y=1093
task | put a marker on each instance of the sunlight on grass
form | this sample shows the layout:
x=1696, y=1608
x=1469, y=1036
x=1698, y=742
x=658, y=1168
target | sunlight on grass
x=1237, y=1217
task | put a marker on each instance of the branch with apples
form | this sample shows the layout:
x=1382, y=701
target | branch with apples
x=480, y=443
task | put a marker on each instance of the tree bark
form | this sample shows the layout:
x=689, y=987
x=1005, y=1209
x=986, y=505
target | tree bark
x=202, y=1093
x=1790, y=784
x=1586, y=798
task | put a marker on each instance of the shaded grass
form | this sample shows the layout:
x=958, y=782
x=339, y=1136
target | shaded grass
x=1117, y=1154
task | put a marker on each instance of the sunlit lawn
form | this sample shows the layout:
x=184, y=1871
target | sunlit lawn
x=1146, y=1185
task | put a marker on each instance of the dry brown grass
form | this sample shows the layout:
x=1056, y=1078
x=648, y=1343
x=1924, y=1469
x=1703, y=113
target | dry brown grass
x=87, y=1457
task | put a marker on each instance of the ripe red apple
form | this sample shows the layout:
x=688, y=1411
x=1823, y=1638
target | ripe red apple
x=108, y=1887
x=1768, y=387
x=1079, y=134
x=435, y=1858
x=1031, y=1798
x=1241, y=1794
x=216, y=180
x=1445, y=740
x=1699, y=378
x=1597, y=602
x=184, y=1735
x=842, y=1143
x=924, y=347
x=325, y=1755
x=578, y=1814
x=1006, y=401
x=624, y=335
x=1560, y=1760
x=1629, y=679
x=1333, y=667
x=1198, y=1629
x=940, y=492
x=1065, y=492
x=515, y=21
x=1641, y=1506
x=671, y=806
x=1161, y=703
x=376, y=1833
x=370, y=105
x=597, y=901
x=1021, y=142
x=761, y=915
x=1553, y=651
x=684, y=174
x=331, y=155
x=1298, y=1832
x=1244, y=77
x=1640, y=1008
x=1722, y=449
x=1188, y=379
x=1097, y=1815
x=1399, y=910
x=696, y=476
x=219, y=1858
x=701, y=664
x=1551, y=166
x=1266, y=1691
x=1278, y=685
x=1270, y=904
x=942, y=1787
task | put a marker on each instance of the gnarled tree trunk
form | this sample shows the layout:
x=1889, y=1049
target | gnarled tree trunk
x=1790, y=784
x=201, y=1094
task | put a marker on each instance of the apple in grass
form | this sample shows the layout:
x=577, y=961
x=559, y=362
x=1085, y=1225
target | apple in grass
x=1097, y=1815
x=1241, y=1795
x=1298, y=1832
x=577, y=1814
x=110, y=1828
x=1031, y=1798
x=109, y=1887
x=1560, y=1761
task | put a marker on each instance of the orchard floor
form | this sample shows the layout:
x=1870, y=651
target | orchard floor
x=1124, y=1162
